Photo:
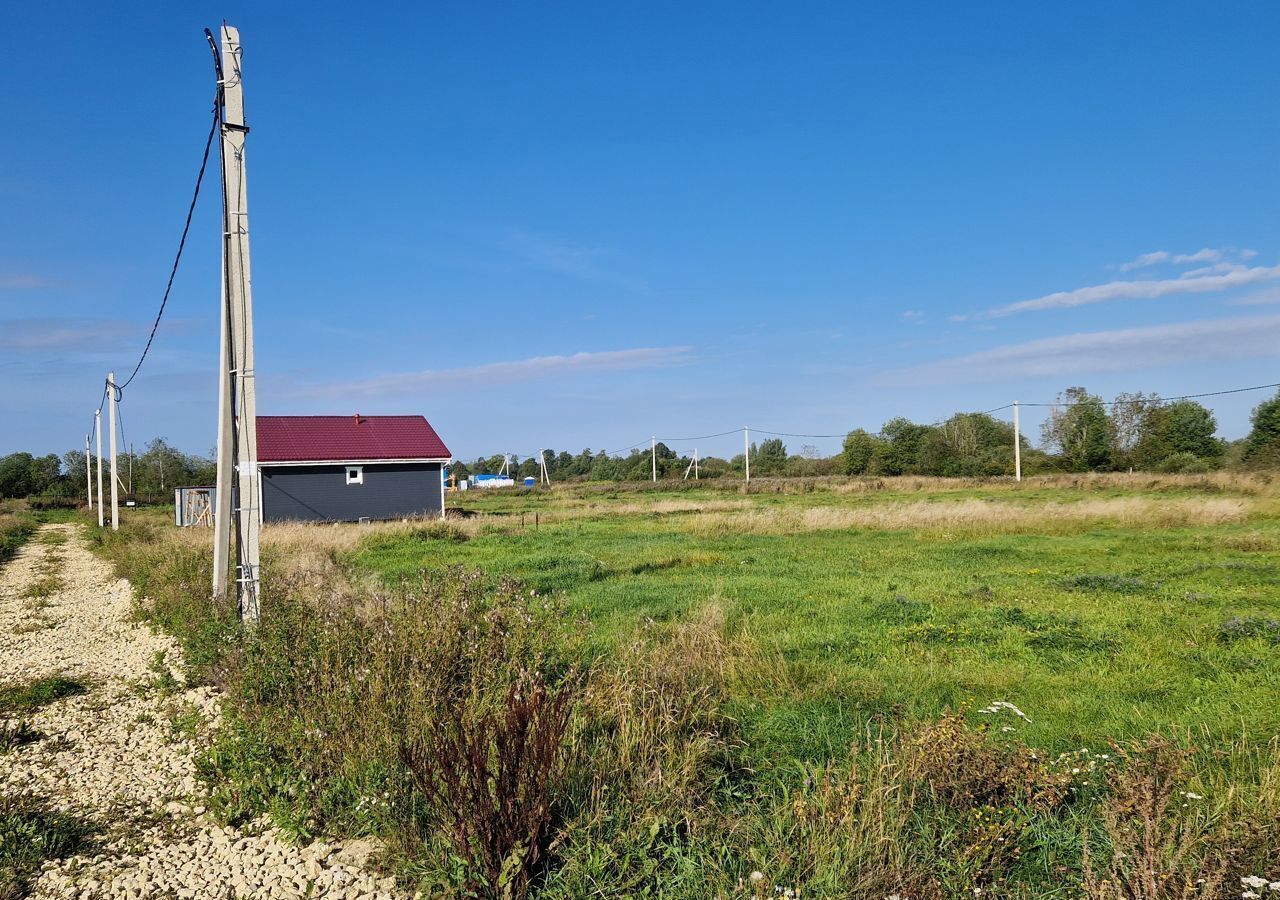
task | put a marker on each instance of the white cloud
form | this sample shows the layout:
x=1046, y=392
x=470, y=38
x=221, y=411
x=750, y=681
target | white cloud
x=913, y=315
x=499, y=373
x=63, y=333
x=1104, y=351
x=1264, y=297
x=1136, y=290
x=1205, y=254
x=1146, y=259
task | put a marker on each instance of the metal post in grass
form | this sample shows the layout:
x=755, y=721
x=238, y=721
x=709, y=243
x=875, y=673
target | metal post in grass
x=1017, y=445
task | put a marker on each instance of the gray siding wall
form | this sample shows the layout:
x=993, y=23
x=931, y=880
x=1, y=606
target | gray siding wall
x=321, y=493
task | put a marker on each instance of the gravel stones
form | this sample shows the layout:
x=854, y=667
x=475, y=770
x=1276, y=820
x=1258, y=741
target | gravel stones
x=112, y=755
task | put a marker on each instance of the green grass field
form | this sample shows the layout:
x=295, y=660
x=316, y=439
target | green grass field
x=1095, y=629
x=851, y=688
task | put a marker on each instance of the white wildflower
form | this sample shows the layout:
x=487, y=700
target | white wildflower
x=1253, y=881
x=1250, y=895
x=756, y=877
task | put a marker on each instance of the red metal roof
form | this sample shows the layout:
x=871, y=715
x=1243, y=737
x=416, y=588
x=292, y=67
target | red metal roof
x=343, y=438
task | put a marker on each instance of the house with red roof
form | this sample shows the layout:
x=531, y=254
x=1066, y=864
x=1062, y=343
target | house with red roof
x=348, y=468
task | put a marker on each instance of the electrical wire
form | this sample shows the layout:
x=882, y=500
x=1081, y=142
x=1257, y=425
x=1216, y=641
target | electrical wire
x=182, y=243
x=1256, y=387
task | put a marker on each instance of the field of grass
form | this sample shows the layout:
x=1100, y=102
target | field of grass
x=1103, y=611
x=847, y=688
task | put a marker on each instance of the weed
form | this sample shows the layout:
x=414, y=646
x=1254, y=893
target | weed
x=41, y=692
x=1239, y=628
x=1157, y=840
x=184, y=722
x=491, y=776
x=43, y=588
x=163, y=680
x=31, y=831
x=33, y=624
x=17, y=734
x=901, y=611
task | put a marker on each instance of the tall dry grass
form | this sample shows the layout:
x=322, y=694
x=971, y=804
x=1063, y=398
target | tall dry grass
x=980, y=516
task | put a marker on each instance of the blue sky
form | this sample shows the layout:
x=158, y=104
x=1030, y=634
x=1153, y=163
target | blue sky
x=577, y=225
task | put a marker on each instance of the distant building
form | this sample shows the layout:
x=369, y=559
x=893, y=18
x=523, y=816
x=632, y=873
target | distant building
x=492, y=481
x=347, y=468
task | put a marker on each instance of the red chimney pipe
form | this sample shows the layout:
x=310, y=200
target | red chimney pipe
x=357, y=420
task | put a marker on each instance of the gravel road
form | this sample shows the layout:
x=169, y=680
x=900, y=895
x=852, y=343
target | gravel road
x=122, y=753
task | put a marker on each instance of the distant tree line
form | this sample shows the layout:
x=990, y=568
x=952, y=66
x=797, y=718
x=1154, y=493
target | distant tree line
x=1082, y=433
x=156, y=472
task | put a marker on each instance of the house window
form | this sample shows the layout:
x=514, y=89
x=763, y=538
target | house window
x=355, y=474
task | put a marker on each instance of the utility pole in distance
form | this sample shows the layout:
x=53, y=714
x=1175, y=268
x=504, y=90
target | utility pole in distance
x=111, y=421
x=97, y=437
x=653, y=453
x=746, y=451
x=239, y=506
x=88, y=470
x=1017, y=445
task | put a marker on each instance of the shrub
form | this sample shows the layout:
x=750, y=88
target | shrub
x=1186, y=463
x=1158, y=844
x=490, y=777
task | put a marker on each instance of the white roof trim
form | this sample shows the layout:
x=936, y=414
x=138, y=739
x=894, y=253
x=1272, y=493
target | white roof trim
x=354, y=462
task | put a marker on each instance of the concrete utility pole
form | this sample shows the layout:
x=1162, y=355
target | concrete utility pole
x=692, y=467
x=88, y=470
x=130, y=468
x=653, y=453
x=115, y=479
x=238, y=503
x=97, y=437
x=1017, y=445
x=746, y=450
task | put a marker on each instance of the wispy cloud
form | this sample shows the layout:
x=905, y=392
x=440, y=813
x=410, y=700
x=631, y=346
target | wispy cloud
x=23, y=281
x=565, y=257
x=509, y=372
x=1103, y=351
x=63, y=333
x=1150, y=289
x=1147, y=259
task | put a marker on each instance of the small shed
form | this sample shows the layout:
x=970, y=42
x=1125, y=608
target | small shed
x=193, y=506
x=348, y=468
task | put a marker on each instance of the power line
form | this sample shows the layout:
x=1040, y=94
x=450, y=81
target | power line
x=1158, y=399
x=791, y=434
x=191, y=208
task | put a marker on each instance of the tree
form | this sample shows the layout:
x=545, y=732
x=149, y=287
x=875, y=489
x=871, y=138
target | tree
x=770, y=457
x=1182, y=428
x=1262, y=446
x=1079, y=428
x=861, y=448
x=968, y=444
x=903, y=446
x=24, y=475
x=1131, y=418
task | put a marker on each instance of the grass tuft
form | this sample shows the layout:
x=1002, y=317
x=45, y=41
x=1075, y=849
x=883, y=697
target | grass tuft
x=41, y=692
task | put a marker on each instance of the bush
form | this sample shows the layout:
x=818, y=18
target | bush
x=1185, y=463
